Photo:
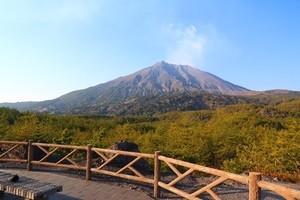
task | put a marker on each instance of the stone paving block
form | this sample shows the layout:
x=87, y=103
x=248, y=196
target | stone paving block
x=107, y=188
x=79, y=189
x=116, y=197
x=119, y=190
x=102, y=195
x=131, y=193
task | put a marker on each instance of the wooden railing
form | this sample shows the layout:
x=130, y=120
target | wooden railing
x=137, y=176
x=84, y=157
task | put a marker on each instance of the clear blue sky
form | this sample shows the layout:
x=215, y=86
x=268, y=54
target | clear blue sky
x=51, y=47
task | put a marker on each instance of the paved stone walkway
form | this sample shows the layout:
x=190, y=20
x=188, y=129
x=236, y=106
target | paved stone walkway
x=76, y=188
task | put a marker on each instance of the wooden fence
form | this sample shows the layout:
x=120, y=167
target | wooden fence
x=97, y=160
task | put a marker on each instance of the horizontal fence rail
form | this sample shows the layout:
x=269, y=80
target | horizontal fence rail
x=191, y=168
x=11, y=151
x=108, y=162
x=58, y=155
x=137, y=176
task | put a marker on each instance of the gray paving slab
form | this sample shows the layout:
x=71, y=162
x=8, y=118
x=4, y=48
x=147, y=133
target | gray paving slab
x=79, y=189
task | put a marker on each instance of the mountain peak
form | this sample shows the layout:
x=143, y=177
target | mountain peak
x=162, y=78
x=164, y=67
x=162, y=62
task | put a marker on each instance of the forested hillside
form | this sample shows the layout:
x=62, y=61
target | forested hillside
x=236, y=138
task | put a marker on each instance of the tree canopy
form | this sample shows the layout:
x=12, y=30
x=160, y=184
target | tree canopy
x=236, y=138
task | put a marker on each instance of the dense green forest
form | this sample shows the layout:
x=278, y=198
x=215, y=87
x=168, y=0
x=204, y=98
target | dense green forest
x=235, y=138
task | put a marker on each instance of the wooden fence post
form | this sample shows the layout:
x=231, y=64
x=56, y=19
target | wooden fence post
x=88, y=162
x=157, y=171
x=254, y=189
x=29, y=155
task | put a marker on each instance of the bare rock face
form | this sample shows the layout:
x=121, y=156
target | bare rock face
x=125, y=146
x=121, y=160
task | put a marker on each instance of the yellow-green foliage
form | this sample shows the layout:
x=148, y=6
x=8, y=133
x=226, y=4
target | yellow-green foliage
x=236, y=138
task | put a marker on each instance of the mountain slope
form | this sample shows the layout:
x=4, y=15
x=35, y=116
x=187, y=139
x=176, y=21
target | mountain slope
x=161, y=78
x=157, y=79
x=167, y=78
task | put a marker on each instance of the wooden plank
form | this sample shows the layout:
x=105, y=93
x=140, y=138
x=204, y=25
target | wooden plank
x=4, y=176
x=26, y=187
x=157, y=175
x=9, y=150
x=254, y=189
x=29, y=155
x=174, y=169
x=182, y=176
x=12, y=142
x=177, y=191
x=43, y=149
x=214, y=195
x=48, y=189
x=287, y=193
x=126, y=176
x=101, y=155
x=66, y=157
x=128, y=165
x=209, y=186
x=21, y=183
x=136, y=172
x=38, y=188
x=28, y=191
x=127, y=153
x=13, y=160
x=107, y=162
x=29, y=185
x=88, y=165
x=58, y=165
x=216, y=172
x=59, y=146
x=48, y=154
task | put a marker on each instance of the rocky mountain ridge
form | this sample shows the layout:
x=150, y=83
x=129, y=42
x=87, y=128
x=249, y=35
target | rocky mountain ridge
x=183, y=86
